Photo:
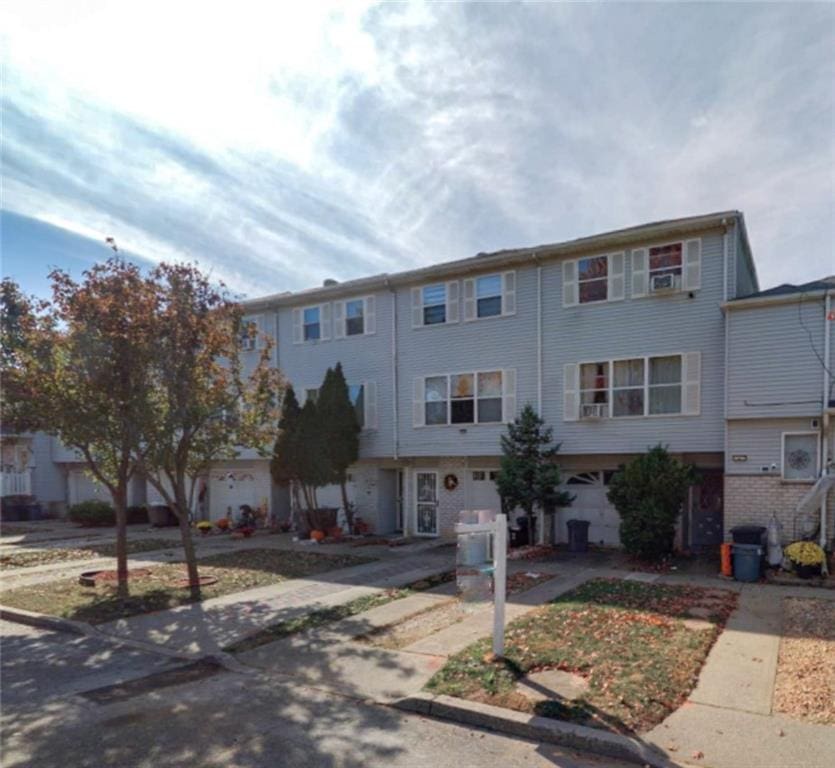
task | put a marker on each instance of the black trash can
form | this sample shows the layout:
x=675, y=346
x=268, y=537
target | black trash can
x=749, y=534
x=578, y=535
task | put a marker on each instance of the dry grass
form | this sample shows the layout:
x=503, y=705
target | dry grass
x=28, y=558
x=805, y=686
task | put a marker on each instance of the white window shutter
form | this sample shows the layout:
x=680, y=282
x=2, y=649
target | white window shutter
x=509, y=293
x=339, y=319
x=452, y=301
x=571, y=392
x=508, y=394
x=261, y=337
x=418, y=402
x=369, y=391
x=617, y=281
x=569, y=283
x=469, y=299
x=691, y=376
x=298, y=332
x=692, y=265
x=639, y=272
x=417, y=308
x=324, y=321
x=370, y=315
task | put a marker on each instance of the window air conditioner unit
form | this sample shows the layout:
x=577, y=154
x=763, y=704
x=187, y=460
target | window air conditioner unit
x=665, y=283
x=593, y=410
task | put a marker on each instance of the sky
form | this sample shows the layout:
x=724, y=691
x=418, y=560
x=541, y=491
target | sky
x=282, y=144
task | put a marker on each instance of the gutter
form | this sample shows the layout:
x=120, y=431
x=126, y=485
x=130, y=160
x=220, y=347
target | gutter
x=536, y=261
x=394, y=371
x=825, y=417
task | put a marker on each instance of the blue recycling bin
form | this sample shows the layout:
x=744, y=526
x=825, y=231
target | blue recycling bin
x=748, y=561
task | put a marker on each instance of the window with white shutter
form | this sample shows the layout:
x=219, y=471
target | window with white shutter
x=639, y=272
x=509, y=293
x=508, y=395
x=693, y=265
x=418, y=402
x=692, y=377
x=571, y=392
x=370, y=315
x=325, y=315
x=617, y=279
x=452, y=301
x=569, y=283
x=339, y=319
x=370, y=393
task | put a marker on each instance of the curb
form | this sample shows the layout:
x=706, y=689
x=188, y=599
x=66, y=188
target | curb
x=43, y=621
x=535, y=728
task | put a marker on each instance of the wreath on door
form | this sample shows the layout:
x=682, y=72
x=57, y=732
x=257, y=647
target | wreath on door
x=450, y=482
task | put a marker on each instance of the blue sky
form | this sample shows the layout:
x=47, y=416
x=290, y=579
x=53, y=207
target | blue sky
x=282, y=146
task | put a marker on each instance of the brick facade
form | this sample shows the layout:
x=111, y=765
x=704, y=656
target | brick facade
x=752, y=499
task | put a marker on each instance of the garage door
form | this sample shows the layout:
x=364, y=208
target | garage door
x=591, y=504
x=230, y=488
x=483, y=493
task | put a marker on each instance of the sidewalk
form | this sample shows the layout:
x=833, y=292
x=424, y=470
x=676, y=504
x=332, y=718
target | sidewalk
x=205, y=628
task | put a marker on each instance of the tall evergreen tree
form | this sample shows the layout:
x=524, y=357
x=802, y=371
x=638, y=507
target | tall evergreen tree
x=341, y=430
x=313, y=465
x=285, y=460
x=529, y=477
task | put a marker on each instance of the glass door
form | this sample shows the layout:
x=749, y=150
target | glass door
x=426, y=503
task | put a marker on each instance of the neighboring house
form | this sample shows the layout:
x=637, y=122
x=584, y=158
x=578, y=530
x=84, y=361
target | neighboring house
x=780, y=405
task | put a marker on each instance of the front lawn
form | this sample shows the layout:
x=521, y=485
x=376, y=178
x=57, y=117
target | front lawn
x=27, y=558
x=157, y=590
x=639, y=646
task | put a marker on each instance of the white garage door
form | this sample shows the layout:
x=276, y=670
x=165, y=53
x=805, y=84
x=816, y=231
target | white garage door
x=230, y=488
x=591, y=504
x=483, y=493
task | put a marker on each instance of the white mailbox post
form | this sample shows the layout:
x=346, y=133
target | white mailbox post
x=497, y=528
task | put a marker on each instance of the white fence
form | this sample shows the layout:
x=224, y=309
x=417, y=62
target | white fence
x=15, y=483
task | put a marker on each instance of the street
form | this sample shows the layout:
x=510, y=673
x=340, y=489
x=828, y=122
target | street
x=63, y=706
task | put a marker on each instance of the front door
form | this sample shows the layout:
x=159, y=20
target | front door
x=426, y=503
x=706, y=512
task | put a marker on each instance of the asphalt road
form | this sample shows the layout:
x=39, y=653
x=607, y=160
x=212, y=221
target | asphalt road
x=64, y=704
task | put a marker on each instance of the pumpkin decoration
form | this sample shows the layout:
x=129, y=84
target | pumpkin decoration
x=222, y=524
x=317, y=535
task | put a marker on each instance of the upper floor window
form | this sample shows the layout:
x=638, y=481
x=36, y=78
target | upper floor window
x=479, y=397
x=312, y=394
x=354, y=317
x=311, y=323
x=641, y=386
x=490, y=296
x=593, y=279
x=667, y=268
x=800, y=455
x=435, y=304
x=249, y=333
x=356, y=394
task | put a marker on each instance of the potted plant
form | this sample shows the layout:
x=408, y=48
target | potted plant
x=205, y=527
x=806, y=557
x=222, y=524
x=317, y=535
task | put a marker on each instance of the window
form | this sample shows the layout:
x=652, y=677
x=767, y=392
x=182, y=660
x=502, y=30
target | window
x=312, y=326
x=311, y=394
x=356, y=393
x=488, y=292
x=354, y=317
x=665, y=260
x=249, y=333
x=593, y=279
x=463, y=398
x=434, y=304
x=481, y=475
x=628, y=387
x=665, y=384
x=800, y=455
x=594, y=390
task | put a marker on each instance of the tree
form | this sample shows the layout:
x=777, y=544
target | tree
x=285, y=459
x=313, y=466
x=78, y=367
x=529, y=478
x=341, y=430
x=204, y=406
x=648, y=494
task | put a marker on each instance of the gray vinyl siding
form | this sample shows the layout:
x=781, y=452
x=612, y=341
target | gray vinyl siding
x=761, y=441
x=774, y=370
x=48, y=482
x=651, y=325
x=494, y=343
x=745, y=282
x=363, y=358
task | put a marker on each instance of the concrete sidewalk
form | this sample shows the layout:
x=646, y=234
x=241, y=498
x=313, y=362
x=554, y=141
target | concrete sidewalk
x=206, y=627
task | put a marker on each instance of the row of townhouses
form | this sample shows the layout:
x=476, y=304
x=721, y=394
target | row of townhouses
x=656, y=333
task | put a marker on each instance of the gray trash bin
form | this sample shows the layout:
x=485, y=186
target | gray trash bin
x=578, y=535
x=748, y=561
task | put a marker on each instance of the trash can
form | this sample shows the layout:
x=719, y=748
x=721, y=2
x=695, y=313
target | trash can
x=749, y=534
x=748, y=561
x=578, y=535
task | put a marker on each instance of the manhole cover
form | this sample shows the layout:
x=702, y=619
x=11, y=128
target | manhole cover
x=203, y=580
x=91, y=578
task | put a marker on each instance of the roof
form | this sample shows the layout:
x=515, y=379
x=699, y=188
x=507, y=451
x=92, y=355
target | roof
x=614, y=238
x=789, y=289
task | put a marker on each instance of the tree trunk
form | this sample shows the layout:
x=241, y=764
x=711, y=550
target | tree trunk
x=349, y=510
x=120, y=504
x=188, y=547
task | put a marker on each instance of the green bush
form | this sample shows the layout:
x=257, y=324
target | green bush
x=92, y=514
x=648, y=494
x=137, y=515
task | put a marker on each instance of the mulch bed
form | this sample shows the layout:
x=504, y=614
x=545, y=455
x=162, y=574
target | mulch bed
x=638, y=645
x=235, y=571
x=805, y=687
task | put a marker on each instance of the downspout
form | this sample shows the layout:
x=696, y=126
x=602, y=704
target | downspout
x=827, y=343
x=394, y=370
x=726, y=374
x=538, y=334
